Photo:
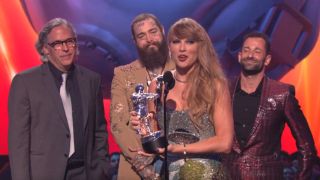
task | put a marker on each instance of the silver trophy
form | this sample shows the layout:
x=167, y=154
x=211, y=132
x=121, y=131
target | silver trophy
x=151, y=140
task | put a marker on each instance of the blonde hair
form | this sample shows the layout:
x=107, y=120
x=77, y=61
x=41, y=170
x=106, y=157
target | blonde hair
x=207, y=80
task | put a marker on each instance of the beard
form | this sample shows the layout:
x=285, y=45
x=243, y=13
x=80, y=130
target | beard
x=252, y=69
x=152, y=57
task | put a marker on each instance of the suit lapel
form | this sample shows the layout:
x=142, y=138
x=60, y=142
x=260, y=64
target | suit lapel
x=260, y=114
x=84, y=87
x=54, y=95
x=236, y=145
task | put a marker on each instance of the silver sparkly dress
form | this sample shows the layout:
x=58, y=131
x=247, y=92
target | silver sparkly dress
x=194, y=166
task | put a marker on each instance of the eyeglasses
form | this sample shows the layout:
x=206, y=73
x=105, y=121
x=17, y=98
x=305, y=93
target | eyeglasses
x=58, y=45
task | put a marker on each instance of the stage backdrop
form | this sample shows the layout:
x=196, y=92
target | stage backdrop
x=105, y=41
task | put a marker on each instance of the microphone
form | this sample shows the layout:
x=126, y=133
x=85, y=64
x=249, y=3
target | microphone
x=168, y=80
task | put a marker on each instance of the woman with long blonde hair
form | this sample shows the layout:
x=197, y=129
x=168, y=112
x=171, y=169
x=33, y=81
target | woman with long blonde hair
x=199, y=114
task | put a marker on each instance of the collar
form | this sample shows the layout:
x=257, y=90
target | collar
x=57, y=73
x=257, y=92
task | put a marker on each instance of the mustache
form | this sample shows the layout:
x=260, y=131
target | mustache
x=152, y=44
x=250, y=59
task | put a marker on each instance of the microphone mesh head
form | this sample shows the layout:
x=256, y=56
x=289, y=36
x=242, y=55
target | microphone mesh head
x=168, y=80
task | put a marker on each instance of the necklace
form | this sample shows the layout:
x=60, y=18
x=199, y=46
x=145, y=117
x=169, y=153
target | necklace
x=152, y=75
x=179, y=80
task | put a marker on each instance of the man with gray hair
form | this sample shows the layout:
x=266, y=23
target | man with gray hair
x=56, y=117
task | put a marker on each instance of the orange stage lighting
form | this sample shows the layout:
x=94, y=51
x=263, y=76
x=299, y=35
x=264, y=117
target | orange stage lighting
x=17, y=53
x=305, y=77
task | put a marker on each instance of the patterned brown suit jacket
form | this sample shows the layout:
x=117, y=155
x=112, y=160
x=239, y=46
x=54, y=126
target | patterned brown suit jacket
x=259, y=159
x=123, y=84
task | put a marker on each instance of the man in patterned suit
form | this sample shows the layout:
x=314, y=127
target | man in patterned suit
x=148, y=35
x=261, y=107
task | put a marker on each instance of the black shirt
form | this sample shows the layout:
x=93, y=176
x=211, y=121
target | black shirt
x=245, y=108
x=77, y=114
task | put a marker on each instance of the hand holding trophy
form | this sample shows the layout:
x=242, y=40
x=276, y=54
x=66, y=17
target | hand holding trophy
x=151, y=140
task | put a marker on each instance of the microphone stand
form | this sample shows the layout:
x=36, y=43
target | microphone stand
x=166, y=173
x=168, y=84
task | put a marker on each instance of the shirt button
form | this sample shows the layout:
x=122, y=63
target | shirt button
x=68, y=135
x=246, y=109
x=243, y=125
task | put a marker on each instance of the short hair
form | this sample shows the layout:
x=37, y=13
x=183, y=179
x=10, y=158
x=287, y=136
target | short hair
x=46, y=29
x=142, y=17
x=256, y=34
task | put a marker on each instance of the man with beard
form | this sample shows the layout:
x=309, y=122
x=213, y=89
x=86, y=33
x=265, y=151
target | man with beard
x=261, y=107
x=148, y=35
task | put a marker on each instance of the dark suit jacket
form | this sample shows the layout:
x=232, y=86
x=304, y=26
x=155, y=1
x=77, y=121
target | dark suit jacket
x=38, y=128
x=259, y=159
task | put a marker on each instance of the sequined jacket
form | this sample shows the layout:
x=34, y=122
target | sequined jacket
x=259, y=158
x=125, y=79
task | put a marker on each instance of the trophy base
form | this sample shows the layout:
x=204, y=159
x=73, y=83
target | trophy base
x=152, y=142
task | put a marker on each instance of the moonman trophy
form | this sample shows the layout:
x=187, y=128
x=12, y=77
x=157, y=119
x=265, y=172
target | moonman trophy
x=151, y=140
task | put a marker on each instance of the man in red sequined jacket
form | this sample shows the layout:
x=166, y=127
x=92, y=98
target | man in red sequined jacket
x=261, y=108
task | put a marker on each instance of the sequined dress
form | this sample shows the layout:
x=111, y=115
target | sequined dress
x=194, y=166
